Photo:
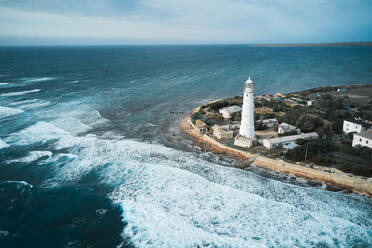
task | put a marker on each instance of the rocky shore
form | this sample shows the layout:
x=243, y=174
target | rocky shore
x=336, y=178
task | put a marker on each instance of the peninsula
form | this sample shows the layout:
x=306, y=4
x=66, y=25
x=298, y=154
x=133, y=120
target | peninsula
x=321, y=134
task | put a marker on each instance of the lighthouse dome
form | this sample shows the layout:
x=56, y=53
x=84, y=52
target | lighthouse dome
x=249, y=81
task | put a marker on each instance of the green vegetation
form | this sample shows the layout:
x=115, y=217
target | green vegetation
x=215, y=106
x=335, y=152
x=210, y=120
x=332, y=149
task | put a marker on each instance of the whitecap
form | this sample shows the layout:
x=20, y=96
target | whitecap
x=23, y=102
x=4, y=233
x=6, y=111
x=19, y=93
x=39, y=132
x=21, y=183
x=3, y=144
x=41, y=79
x=32, y=156
x=73, y=82
x=2, y=84
x=35, y=105
x=71, y=125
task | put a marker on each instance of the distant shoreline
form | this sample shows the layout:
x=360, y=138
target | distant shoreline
x=333, y=44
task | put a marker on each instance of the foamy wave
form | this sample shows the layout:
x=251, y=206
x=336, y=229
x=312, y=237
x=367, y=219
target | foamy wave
x=172, y=199
x=36, y=105
x=24, y=183
x=191, y=211
x=3, y=144
x=71, y=125
x=19, y=93
x=73, y=82
x=93, y=117
x=40, y=132
x=32, y=156
x=5, y=111
x=23, y=102
x=2, y=84
x=41, y=79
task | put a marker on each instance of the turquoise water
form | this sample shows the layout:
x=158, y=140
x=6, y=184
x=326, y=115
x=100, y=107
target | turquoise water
x=90, y=152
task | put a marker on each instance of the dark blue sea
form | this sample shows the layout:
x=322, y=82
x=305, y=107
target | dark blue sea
x=91, y=154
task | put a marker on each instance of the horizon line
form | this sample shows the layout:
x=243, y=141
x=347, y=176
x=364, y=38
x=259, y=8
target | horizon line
x=286, y=44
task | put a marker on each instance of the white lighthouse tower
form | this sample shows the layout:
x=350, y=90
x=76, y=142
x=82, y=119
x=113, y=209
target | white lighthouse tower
x=246, y=135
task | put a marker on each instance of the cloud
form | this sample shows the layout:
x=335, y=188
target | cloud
x=188, y=21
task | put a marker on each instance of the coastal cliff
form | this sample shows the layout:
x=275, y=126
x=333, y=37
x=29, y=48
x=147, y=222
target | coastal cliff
x=355, y=184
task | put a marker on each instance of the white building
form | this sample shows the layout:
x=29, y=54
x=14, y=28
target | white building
x=246, y=135
x=287, y=141
x=355, y=126
x=201, y=125
x=268, y=122
x=363, y=139
x=224, y=131
x=285, y=128
x=228, y=111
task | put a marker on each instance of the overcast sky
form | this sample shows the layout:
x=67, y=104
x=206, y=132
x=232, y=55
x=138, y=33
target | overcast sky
x=33, y=22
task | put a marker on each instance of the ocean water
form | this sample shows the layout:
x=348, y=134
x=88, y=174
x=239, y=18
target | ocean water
x=91, y=155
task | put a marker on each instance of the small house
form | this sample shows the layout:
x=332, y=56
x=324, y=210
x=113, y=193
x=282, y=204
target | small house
x=268, y=122
x=286, y=128
x=228, y=111
x=287, y=142
x=363, y=139
x=355, y=126
x=202, y=126
x=225, y=131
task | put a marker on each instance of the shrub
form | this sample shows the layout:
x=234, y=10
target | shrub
x=198, y=116
x=259, y=126
x=215, y=106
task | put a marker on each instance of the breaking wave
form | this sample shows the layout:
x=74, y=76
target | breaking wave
x=35, y=105
x=32, y=156
x=41, y=79
x=6, y=111
x=19, y=93
x=3, y=144
x=23, y=102
x=171, y=198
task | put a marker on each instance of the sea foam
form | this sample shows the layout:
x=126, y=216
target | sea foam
x=3, y=144
x=173, y=199
x=19, y=93
x=6, y=111
x=40, y=132
x=32, y=156
x=41, y=79
x=39, y=104
x=23, y=102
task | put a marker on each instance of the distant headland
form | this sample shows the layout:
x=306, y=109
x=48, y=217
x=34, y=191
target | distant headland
x=333, y=44
x=322, y=134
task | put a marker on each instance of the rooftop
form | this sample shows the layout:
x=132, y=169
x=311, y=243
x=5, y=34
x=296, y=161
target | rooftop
x=364, y=123
x=293, y=138
x=231, y=109
x=365, y=134
x=287, y=126
x=199, y=124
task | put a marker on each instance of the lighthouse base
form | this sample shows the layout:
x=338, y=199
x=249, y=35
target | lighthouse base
x=244, y=142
